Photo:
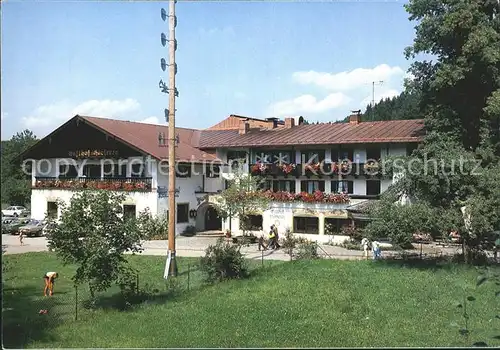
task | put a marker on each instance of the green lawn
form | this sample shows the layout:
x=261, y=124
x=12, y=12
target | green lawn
x=285, y=304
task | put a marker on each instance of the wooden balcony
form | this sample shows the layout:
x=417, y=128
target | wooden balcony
x=137, y=184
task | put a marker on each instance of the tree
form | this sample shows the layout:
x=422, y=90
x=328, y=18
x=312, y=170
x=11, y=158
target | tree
x=16, y=185
x=94, y=235
x=459, y=96
x=399, y=222
x=460, y=90
x=242, y=198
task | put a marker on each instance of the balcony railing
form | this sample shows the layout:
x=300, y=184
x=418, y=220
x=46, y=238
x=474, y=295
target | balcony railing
x=323, y=169
x=114, y=184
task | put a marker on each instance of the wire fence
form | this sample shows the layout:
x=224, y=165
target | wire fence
x=26, y=316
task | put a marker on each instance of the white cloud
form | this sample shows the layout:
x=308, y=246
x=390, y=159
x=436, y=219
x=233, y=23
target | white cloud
x=47, y=117
x=348, y=80
x=306, y=104
x=379, y=95
x=151, y=120
x=228, y=31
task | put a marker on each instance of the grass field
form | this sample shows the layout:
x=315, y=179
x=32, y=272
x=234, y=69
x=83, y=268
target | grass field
x=320, y=303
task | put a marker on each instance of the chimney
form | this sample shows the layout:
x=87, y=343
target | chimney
x=289, y=123
x=355, y=117
x=272, y=122
x=244, y=127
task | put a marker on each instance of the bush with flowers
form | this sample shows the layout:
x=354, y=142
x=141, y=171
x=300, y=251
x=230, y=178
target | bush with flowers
x=316, y=197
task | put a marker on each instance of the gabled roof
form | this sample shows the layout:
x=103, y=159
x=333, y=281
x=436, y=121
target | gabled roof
x=393, y=131
x=144, y=138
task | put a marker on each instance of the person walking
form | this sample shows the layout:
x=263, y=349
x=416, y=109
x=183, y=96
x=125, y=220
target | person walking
x=276, y=237
x=365, y=243
x=376, y=250
x=272, y=235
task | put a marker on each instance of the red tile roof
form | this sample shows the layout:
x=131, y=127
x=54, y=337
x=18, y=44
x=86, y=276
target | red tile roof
x=145, y=137
x=198, y=145
x=393, y=131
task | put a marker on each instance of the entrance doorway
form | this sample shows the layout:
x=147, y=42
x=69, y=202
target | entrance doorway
x=212, y=220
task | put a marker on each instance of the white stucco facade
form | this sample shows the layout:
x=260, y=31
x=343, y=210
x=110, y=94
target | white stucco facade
x=193, y=190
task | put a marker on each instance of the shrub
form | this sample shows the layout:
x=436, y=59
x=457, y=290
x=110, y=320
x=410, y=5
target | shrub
x=351, y=245
x=189, y=231
x=223, y=261
x=307, y=251
x=354, y=233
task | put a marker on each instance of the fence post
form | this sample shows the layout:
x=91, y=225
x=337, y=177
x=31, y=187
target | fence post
x=189, y=274
x=262, y=258
x=137, y=283
x=76, y=302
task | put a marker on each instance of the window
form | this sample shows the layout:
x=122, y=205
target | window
x=252, y=223
x=67, y=171
x=372, y=187
x=340, y=154
x=183, y=170
x=52, y=210
x=92, y=171
x=262, y=157
x=335, y=225
x=212, y=171
x=284, y=185
x=182, y=213
x=313, y=156
x=129, y=212
x=278, y=185
x=305, y=225
x=373, y=153
x=310, y=186
x=342, y=186
x=236, y=155
x=137, y=170
x=122, y=171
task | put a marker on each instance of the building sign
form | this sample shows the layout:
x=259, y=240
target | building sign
x=163, y=191
x=280, y=216
x=93, y=153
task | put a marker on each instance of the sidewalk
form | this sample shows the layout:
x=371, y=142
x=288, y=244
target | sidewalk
x=195, y=247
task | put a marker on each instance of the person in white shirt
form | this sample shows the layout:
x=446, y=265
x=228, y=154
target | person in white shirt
x=376, y=250
x=49, y=278
x=365, y=243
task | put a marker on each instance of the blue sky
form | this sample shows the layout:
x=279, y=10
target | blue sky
x=260, y=59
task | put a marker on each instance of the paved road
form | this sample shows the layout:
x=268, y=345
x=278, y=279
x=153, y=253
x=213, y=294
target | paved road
x=195, y=247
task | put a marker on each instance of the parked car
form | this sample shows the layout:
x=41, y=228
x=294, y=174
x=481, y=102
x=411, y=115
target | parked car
x=5, y=223
x=15, y=210
x=13, y=227
x=48, y=227
x=33, y=229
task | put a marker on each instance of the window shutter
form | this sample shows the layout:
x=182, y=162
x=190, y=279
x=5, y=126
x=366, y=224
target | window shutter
x=334, y=187
x=321, y=185
x=275, y=185
x=350, y=187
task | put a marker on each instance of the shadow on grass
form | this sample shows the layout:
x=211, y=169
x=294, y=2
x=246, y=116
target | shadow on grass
x=432, y=262
x=22, y=322
x=176, y=289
